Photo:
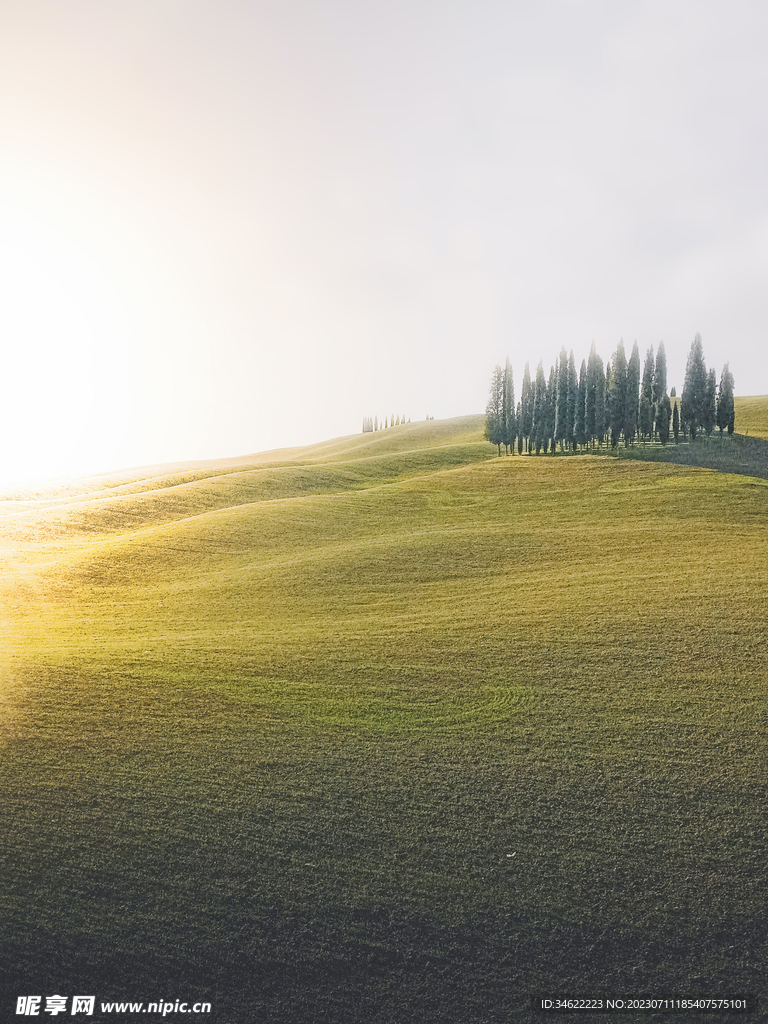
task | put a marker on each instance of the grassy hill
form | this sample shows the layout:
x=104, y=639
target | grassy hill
x=385, y=729
x=752, y=415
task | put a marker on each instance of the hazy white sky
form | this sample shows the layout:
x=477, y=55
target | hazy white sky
x=236, y=225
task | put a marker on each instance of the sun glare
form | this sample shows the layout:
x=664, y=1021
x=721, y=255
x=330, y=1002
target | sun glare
x=62, y=323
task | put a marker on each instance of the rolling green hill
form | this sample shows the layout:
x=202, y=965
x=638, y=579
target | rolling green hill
x=385, y=729
x=752, y=415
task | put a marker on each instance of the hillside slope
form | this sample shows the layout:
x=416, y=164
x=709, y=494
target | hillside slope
x=384, y=729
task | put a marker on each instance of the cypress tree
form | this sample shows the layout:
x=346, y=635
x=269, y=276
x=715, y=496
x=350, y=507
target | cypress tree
x=590, y=424
x=551, y=409
x=663, y=412
x=710, y=402
x=647, y=400
x=579, y=433
x=526, y=408
x=508, y=414
x=519, y=418
x=660, y=374
x=609, y=392
x=594, y=407
x=676, y=422
x=619, y=394
x=539, y=408
x=647, y=389
x=599, y=401
x=561, y=407
x=693, y=410
x=631, y=398
x=725, y=406
x=494, y=424
x=573, y=396
x=645, y=418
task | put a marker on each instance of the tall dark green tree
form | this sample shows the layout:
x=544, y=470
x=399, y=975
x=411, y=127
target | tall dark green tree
x=676, y=421
x=494, y=419
x=710, y=403
x=599, y=377
x=646, y=388
x=579, y=422
x=647, y=396
x=693, y=409
x=632, y=396
x=619, y=393
x=525, y=422
x=539, y=429
x=663, y=413
x=609, y=390
x=573, y=397
x=645, y=418
x=590, y=421
x=725, y=404
x=561, y=402
x=660, y=374
x=551, y=409
x=509, y=424
x=594, y=400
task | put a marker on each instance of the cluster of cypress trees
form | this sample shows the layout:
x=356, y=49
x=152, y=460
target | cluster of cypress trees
x=372, y=422
x=610, y=404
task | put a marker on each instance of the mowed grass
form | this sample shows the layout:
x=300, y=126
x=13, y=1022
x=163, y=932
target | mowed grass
x=386, y=729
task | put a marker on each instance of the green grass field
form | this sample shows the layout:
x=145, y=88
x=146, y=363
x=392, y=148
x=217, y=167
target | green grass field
x=386, y=729
x=752, y=415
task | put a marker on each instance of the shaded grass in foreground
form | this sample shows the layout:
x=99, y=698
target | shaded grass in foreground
x=282, y=753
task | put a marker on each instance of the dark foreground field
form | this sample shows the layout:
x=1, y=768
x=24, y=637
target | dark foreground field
x=386, y=730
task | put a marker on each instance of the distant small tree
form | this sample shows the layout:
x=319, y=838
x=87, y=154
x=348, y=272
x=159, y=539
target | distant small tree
x=676, y=422
x=518, y=417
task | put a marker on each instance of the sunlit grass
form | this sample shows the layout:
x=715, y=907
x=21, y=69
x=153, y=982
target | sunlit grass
x=294, y=716
x=752, y=415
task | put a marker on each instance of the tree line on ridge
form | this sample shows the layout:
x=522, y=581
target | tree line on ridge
x=607, y=405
